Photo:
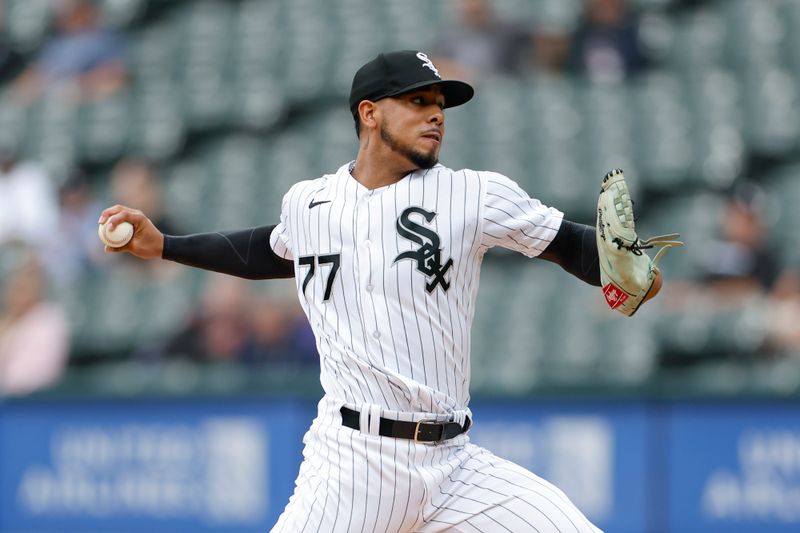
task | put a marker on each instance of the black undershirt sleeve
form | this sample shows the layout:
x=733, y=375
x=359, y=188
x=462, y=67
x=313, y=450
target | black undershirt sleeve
x=575, y=249
x=243, y=253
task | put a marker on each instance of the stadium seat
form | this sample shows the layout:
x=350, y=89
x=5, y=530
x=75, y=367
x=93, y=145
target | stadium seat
x=790, y=14
x=235, y=176
x=155, y=53
x=663, y=131
x=51, y=133
x=27, y=23
x=714, y=100
x=121, y=13
x=755, y=31
x=189, y=184
x=607, y=136
x=104, y=128
x=784, y=197
x=698, y=41
x=772, y=110
x=158, y=127
x=13, y=122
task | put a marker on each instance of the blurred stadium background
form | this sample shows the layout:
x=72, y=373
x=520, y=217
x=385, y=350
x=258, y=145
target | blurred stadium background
x=228, y=103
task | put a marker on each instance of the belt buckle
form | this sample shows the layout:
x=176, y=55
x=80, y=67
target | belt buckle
x=427, y=421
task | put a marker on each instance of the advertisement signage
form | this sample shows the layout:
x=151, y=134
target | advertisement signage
x=147, y=465
x=228, y=465
x=734, y=468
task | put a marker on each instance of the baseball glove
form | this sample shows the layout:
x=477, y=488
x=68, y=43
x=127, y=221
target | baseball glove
x=626, y=272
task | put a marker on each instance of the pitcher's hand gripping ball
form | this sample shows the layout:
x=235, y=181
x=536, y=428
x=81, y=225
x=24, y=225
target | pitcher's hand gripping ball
x=118, y=237
x=626, y=272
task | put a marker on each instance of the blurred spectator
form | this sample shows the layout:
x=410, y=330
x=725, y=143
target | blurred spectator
x=233, y=325
x=783, y=315
x=280, y=333
x=28, y=206
x=219, y=329
x=742, y=260
x=74, y=249
x=736, y=267
x=82, y=55
x=481, y=44
x=34, y=333
x=552, y=44
x=606, y=44
x=735, y=309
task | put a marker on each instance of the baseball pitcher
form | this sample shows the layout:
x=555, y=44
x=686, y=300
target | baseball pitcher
x=386, y=254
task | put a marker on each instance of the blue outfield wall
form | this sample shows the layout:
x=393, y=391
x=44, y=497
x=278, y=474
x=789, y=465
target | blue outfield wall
x=228, y=465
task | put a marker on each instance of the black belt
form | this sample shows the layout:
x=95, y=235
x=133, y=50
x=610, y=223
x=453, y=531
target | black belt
x=422, y=431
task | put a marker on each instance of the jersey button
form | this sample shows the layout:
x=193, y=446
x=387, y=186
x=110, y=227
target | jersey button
x=369, y=288
x=368, y=244
x=376, y=334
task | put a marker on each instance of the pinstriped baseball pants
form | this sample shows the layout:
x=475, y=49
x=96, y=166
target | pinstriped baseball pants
x=351, y=481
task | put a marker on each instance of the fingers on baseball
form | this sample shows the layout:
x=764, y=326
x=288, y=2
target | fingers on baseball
x=109, y=212
x=120, y=213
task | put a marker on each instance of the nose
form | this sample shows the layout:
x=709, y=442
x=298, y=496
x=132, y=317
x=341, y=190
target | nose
x=437, y=116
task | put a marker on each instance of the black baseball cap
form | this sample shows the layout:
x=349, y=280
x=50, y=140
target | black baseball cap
x=393, y=73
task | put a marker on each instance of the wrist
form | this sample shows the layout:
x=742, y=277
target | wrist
x=166, y=247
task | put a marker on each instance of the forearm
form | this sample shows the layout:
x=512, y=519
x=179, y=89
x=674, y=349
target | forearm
x=575, y=249
x=244, y=253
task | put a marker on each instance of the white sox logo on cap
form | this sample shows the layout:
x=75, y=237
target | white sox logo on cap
x=426, y=62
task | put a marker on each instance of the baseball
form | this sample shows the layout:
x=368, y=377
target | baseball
x=117, y=237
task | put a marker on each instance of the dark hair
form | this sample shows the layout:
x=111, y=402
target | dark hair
x=358, y=124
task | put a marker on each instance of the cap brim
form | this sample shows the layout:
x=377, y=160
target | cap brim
x=455, y=92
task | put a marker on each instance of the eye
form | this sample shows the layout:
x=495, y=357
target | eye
x=424, y=100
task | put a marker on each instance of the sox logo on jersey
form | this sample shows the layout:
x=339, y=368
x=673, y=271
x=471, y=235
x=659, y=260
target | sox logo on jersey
x=429, y=255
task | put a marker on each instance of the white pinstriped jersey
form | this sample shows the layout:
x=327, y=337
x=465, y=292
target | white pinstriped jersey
x=389, y=277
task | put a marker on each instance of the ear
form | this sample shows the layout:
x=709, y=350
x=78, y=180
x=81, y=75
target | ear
x=368, y=112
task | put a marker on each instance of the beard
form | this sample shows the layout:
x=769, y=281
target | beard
x=419, y=158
